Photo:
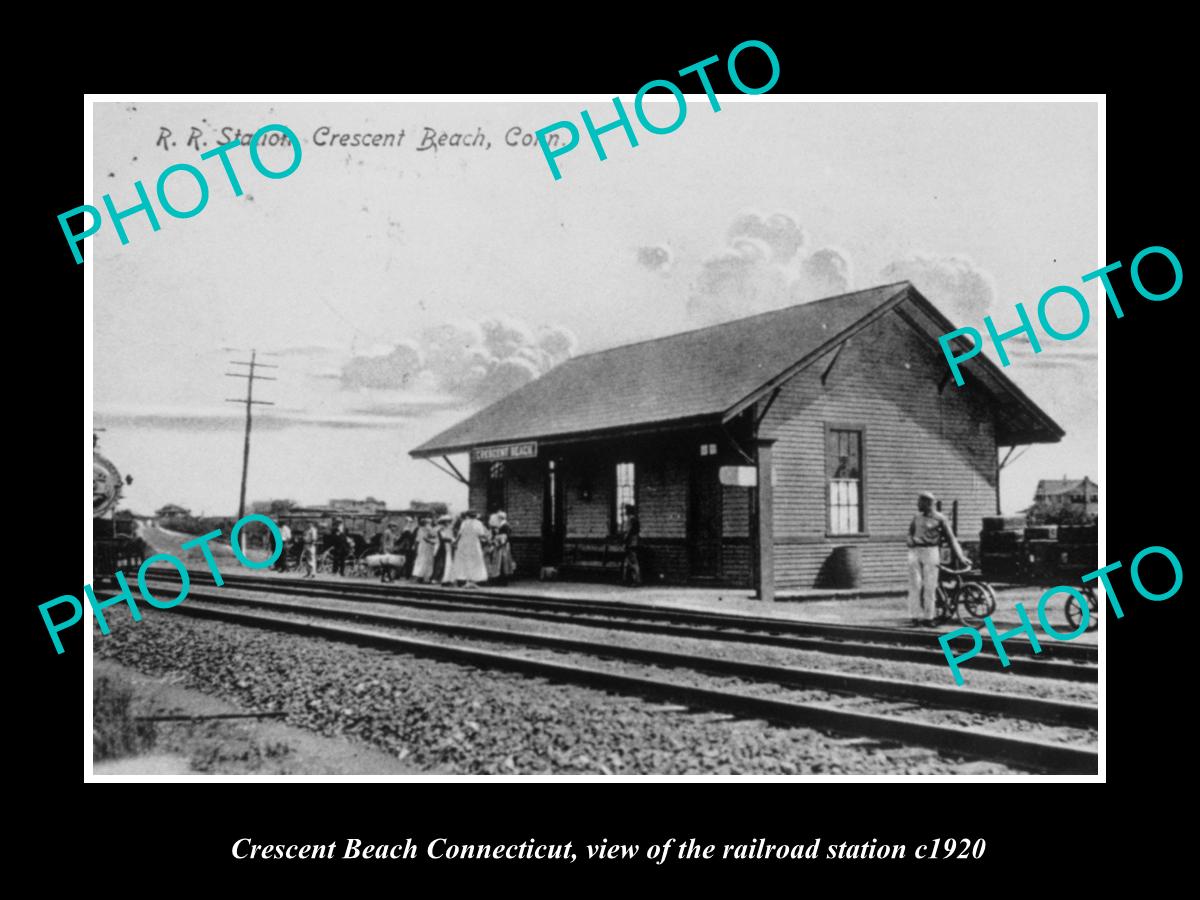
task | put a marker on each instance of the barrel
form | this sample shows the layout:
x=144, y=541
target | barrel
x=845, y=567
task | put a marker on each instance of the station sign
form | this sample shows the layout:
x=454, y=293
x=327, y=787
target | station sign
x=526, y=450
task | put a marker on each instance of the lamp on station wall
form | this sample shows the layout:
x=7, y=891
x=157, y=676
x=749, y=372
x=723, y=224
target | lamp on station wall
x=585, y=490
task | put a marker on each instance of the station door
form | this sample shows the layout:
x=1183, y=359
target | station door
x=704, y=519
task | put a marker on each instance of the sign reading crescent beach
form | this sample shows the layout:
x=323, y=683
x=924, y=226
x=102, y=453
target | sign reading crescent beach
x=527, y=450
x=106, y=485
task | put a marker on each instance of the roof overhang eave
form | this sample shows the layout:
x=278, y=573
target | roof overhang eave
x=573, y=437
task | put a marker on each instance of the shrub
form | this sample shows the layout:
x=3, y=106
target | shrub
x=115, y=733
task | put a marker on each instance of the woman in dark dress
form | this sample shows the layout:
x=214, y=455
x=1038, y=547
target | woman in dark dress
x=441, y=561
x=406, y=545
x=500, y=559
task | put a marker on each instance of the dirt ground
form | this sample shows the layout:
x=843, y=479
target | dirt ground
x=230, y=746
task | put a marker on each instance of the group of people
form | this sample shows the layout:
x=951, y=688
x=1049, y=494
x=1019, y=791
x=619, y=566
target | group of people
x=464, y=550
x=341, y=543
x=448, y=550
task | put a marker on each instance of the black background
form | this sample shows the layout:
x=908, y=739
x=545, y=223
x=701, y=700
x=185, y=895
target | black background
x=1057, y=830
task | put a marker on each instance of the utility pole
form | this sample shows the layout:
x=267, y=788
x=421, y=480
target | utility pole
x=250, y=403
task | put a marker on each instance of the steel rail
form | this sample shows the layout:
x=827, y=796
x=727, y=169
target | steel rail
x=1019, y=752
x=1065, y=712
x=893, y=645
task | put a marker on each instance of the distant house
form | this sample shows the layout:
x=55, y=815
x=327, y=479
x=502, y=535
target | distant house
x=172, y=511
x=1070, y=497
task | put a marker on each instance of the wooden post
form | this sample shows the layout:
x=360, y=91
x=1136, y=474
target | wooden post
x=765, y=520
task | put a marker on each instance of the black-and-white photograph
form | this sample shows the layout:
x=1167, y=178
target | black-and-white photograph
x=662, y=467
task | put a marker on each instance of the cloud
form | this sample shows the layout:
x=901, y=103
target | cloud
x=764, y=266
x=823, y=273
x=656, y=258
x=953, y=283
x=391, y=370
x=779, y=233
x=767, y=264
x=738, y=282
x=472, y=360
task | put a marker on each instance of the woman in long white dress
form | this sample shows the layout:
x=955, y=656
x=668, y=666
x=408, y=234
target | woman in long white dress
x=469, y=564
x=427, y=541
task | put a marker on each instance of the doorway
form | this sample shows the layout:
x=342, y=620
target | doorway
x=704, y=517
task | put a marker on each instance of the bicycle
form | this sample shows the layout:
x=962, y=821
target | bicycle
x=970, y=602
x=1075, y=610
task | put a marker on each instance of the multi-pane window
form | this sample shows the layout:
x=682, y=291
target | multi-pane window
x=625, y=492
x=843, y=460
x=708, y=449
x=495, y=488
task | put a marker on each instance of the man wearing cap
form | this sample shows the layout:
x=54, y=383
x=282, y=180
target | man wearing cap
x=925, y=535
x=631, y=569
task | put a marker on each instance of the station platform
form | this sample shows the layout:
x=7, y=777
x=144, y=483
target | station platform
x=861, y=606
x=880, y=608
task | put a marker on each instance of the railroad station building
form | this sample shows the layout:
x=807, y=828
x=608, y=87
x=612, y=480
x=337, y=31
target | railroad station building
x=781, y=452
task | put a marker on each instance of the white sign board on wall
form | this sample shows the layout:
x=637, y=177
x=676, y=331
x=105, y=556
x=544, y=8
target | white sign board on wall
x=738, y=476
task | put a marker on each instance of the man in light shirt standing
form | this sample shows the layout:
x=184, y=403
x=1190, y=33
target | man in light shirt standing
x=925, y=535
x=309, y=557
x=285, y=541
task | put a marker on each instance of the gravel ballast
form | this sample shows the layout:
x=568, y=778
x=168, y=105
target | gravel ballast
x=976, y=678
x=960, y=718
x=449, y=718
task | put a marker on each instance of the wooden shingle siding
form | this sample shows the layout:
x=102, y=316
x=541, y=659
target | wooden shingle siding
x=662, y=494
x=522, y=496
x=736, y=563
x=527, y=554
x=735, y=512
x=914, y=438
x=523, y=493
x=477, y=490
x=588, y=518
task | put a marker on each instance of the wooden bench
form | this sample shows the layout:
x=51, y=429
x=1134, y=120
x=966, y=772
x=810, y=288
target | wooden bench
x=594, y=555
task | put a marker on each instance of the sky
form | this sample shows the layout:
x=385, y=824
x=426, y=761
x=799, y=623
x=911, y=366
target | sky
x=399, y=289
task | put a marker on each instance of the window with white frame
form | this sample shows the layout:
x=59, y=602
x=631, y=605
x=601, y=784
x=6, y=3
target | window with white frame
x=625, y=494
x=844, y=464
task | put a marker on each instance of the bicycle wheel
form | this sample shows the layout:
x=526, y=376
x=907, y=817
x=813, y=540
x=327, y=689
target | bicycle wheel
x=1075, y=611
x=975, y=603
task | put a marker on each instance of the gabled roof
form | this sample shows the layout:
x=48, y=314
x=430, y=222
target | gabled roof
x=707, y=374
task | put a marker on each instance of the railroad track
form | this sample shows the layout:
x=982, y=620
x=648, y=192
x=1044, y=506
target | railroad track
x=1067, y=661
x=1021, y=752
